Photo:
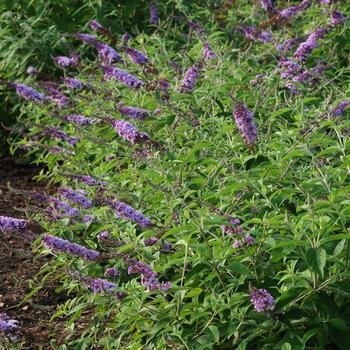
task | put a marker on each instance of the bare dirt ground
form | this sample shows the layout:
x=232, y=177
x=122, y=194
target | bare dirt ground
x=19, y=267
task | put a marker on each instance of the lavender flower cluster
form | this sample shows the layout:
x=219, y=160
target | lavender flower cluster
x=6, y=324
x=245, y=123
x=189, y=80
x=64, y=246
x=208, y=53
x=133, y=112
x=148, y=276
x=63, y=61
x=9, y=224
x=59, y=134
x=62, y=209
x=122, y=76
x=123, y=210
x=262, y=300
x=292, y=10
x=102, y=286
x=78, y=119
x=88, y=180
x=304, y=50
x=135, y=55
x=128, y=131
x=28, y=93
x=107, y=54
x=75, y=197
x=153, y=12
x=267, y=5
x=74, y=83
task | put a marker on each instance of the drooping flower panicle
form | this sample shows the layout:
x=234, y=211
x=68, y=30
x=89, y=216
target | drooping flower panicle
x=304, y=50
x=124, y=211
x=28, y=93
x=135, y=55
x=132, y=112
x=75, y=197
x=245, y=123
x=153, y=12
x=190, y=79
x=107, y=54
x=9, y=224
x=122, y=76
x=64, y=246
x=129, y=132
x=78, y=119
x=63, y=61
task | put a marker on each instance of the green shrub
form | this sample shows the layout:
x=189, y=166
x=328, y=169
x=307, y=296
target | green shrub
x=289, y=189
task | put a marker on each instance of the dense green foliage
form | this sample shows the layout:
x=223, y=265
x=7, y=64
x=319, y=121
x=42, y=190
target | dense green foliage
x=290, y=190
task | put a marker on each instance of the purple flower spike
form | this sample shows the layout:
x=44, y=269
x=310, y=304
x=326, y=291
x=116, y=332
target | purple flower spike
x=288, y=44
x=135, y=55
x=75, y=197
x=163, y=84
x=99, y=285
x=267, y=5
x=340, y=108
x=88, y=180
x=129, y=213
x=87, y=38
x=245, y=123
x=262, y=300
x=64, y=246
x=56, y=133
x=8, y=224
x=151, y=241
x=122, y=76
x=6, y=324
x=28, y=93
x=132, y=112
x=74, y=83
x=336, y=18
x=62, y=209
x=129, y=132
x=138, y=267
x=305, y=48
x=78, y=119
x=87, y=219
x=112, y=272
x=154, y=17
x=107, y=54
x=189, y=81
x=94, y=25
x=237, y=244
x=103, y=235
x=63, y=61
x=208, y=53
x=292, y=10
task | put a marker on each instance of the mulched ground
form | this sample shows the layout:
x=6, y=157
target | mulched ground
x=18, y=267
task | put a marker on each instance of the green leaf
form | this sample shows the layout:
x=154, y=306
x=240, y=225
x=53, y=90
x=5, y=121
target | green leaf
x=286, y=346
x=339, y=247
x=280, y=112
x=316, y=259
x=215, y=331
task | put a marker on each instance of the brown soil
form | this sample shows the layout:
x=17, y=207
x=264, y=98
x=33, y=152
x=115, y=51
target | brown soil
x=19, y=267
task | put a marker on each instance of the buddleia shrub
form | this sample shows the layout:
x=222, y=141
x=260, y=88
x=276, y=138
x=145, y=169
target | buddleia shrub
x=203, y=179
